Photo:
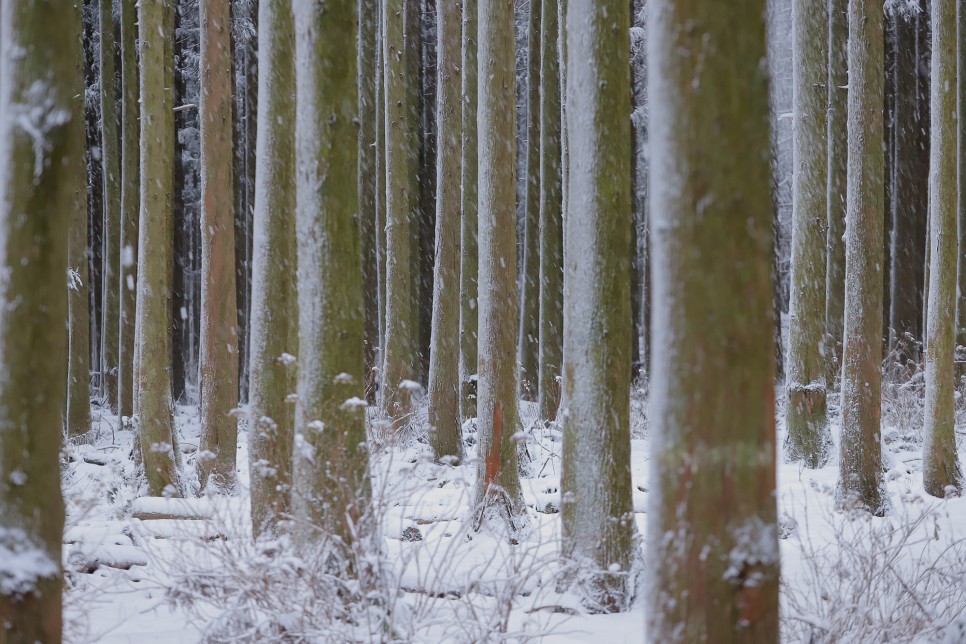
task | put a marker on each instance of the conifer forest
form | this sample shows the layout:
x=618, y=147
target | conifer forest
x=482, y=321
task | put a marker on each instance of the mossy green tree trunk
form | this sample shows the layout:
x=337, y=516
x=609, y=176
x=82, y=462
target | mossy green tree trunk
x=274, y=317
x=332, y=488
x=597, y=516
x=838, y=93
x=367, y=45
x=42, y=168
x=498, y=496
x=940, y=463
x=714, y=564
x=400, y=360
x=860, y=460
x=130, y=188
x=808, y=438
x=444, y=381
x=961, y=164
x=469, y=249
x=111, y=164
x=219, y=324
x=155, y=415
x=551, y=218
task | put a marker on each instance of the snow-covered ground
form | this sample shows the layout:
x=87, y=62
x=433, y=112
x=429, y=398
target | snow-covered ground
x=134, y=577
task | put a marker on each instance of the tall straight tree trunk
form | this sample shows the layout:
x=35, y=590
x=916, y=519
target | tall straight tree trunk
x=42, y=170
x=332, y=488
x=153, y=350
x=469, y=250
x=715, y=559
x=425, y=215
x=961, y=161
x=498, y=496
x=551, y=218
x=808, y=439
x=838, y=93
x=274, y=286
x=941, y=473
x=414, y=146
x=111, y=164
x=400, y=362
x=530, y=280
x=95, y=182
x=444, y=381
x=380, y=214
x=130, y=186
x=597, y=515
x=860, y=461
x=367, y=184
x=219, y=329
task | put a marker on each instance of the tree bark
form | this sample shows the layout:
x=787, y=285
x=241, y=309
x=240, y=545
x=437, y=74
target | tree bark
x=838, y=80
x=469, y=228
x=380, y=205
x=860, y=461
x=367, y=185
x=940, y=463
x=715, y=570
x=961, y=161
x=42, y=174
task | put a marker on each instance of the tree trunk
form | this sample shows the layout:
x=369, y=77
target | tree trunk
x=498, y=496
x=598, y=532
x=444, y=387
x=42, y=170
x=380, y=214
x=425, y=32
x=838, y=93
x=961, y=161
x=860, y=461
x=367, y=185
x=940, y=464
x=808, y=439
x=274, y=287
x=530, y=280
x=469, y=227
x=332, y=488
x=551, y=218
x=715, y=558
x=219, y=331
x=153, y=366
x=400, y=362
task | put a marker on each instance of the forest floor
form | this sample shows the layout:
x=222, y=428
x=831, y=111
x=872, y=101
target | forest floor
x=135, y=577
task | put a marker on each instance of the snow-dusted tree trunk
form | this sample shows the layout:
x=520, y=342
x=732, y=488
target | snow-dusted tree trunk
x=838, y=93
x=940, y=463
x=111, y=164
x=423, y=34
x=367, y=45
x=808, y=435
x=42, y=169
x=469, y=250
x=274, y=288
x=530, y=279
x=498, y=493
x=380, y=204
x=551, y=217
x=444, y=380
x=714, y=559
x=152, y=359
x=961, y=164
x=130, y=173
x=332, y=488
x=596, y=512
x=860, y=461
x=400, y=362
x=219, y=325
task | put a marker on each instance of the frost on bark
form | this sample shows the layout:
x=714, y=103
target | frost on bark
x=551, y=218
x=714, y=559
x=153, y=404
x=130, y=186
x=530, y=278
x=838, y=80
x=598, y=532
x=332, y=488
x=808, y=438
x=367, y=184
x=444, y=381
x=111, y=164
x=400, y=360
x=498, y=496
x=860, y=461
x=42, y=169
x=940, y=464
x=274, y=288
x=219, y=326
x=469, y=250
